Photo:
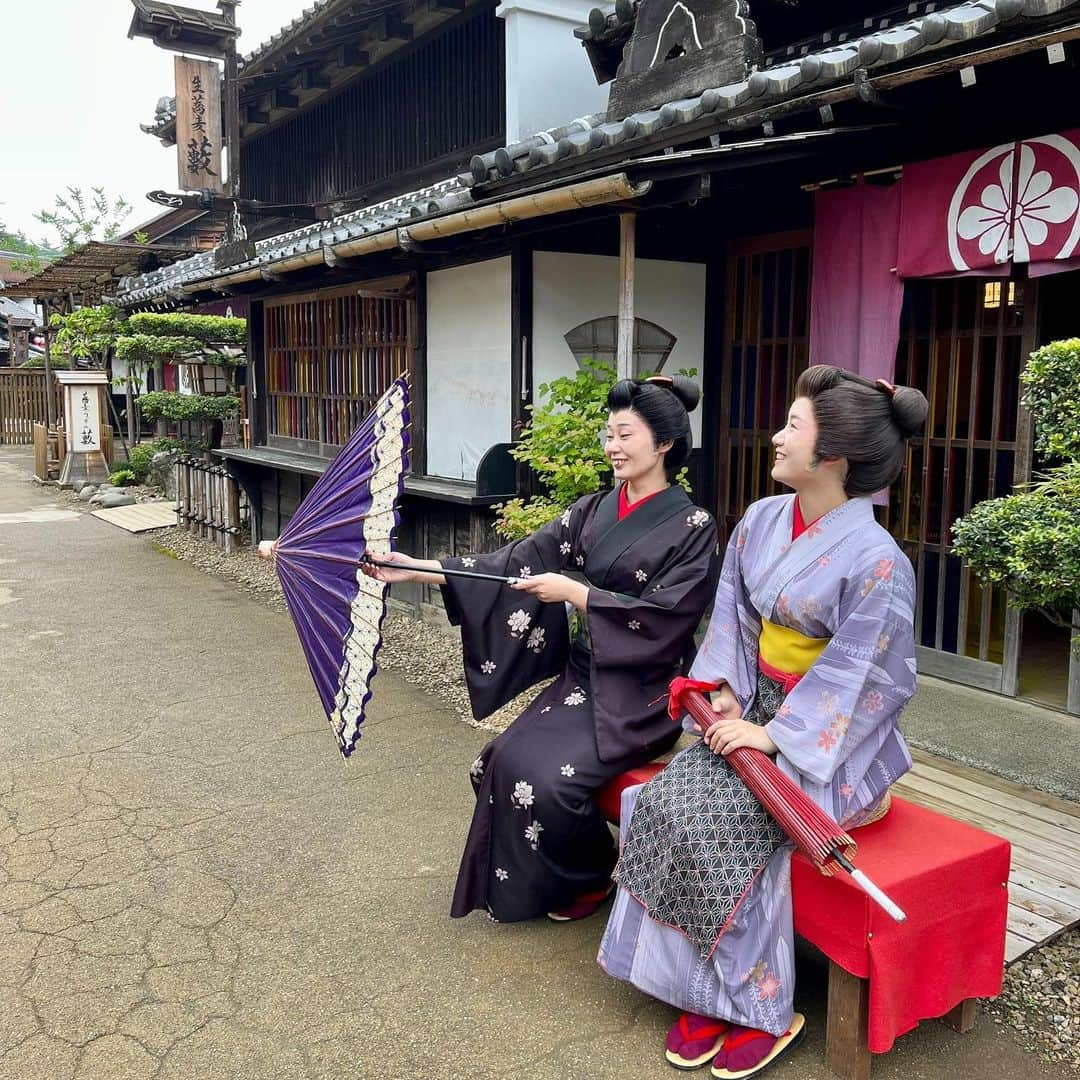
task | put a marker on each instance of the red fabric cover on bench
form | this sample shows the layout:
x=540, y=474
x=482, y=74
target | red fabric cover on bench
x=608, y=798
x=952, y=881
x=950, y=878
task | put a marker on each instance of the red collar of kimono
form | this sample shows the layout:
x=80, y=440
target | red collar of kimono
x=627, y=507
x=798, y=526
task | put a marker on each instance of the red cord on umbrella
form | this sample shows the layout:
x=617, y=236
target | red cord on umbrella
x=814, y=832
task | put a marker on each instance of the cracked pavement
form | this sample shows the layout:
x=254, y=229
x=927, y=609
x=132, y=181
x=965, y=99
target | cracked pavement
x=193, y=884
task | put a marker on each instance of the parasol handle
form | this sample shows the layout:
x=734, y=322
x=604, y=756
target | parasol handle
x=474, y=575
x=871, y=890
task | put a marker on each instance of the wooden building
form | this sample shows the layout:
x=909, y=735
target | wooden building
x=485, y=259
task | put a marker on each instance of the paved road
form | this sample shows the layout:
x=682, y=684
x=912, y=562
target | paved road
x=192, y=884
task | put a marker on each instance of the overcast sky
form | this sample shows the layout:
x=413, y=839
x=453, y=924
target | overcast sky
x=73, y=93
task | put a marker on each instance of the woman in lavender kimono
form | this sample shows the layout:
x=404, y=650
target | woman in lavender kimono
x=811, y=647
x=636, y=567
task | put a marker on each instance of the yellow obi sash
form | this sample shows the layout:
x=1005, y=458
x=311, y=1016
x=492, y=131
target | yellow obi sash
x=788, y=651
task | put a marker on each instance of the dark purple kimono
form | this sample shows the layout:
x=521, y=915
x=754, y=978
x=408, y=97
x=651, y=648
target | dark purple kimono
x=536, y=840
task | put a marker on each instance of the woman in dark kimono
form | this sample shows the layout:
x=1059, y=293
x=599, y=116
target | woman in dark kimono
x=636, y=568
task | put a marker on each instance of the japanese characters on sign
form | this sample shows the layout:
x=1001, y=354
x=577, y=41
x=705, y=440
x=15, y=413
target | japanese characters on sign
x=87, y=431
x=198, y=124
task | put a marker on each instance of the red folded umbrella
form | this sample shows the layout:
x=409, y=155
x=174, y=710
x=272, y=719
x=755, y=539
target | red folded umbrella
x=811, y=829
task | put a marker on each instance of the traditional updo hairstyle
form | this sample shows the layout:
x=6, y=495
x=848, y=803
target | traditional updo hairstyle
x=664, y=403
x=866, y=422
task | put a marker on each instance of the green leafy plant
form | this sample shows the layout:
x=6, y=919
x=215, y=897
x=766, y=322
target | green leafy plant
x=171, y=405
x=562, y=446
x=140, y=458
x=36, y=363
x=210, y=328
x=78, y=216
x=1052, y=392
x=1029, y=542
x=123, y=477
x=87, y=333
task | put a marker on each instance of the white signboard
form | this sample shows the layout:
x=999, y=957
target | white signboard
x=87, y=418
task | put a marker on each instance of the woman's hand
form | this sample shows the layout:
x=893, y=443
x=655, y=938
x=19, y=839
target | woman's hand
x=555, y=589
x=404, y=568
x=726, y=703
x=730, y=733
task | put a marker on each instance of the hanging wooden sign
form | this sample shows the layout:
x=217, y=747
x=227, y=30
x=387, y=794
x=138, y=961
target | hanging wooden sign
x=198, y=124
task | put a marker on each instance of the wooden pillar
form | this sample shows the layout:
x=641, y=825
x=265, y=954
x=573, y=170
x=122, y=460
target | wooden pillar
x=627, y=239
x=50, y=400
x=159, y=384
x=962, y=1017
x=1072, y=701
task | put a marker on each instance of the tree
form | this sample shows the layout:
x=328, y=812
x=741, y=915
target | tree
x=1029, y=542
x=87, y=333
x=77, y=217
x=34, y=255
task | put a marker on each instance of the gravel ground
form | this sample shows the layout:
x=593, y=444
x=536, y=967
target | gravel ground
x=1040, y=1001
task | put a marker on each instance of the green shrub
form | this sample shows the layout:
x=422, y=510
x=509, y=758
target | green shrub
x=172, y=405
x=219, y=329
x=141, y=457
x=1052, y=392
x=1029, y=542
x=37, y=363
x=123, y=477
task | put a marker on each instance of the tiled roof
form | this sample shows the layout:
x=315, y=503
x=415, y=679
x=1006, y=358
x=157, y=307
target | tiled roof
x=832, y=64
x=438, y=198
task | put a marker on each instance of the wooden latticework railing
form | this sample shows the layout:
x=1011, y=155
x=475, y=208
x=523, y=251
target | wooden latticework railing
x=23, y=403
x=210, y=503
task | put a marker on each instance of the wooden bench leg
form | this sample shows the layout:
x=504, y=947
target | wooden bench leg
x=846, y=1050
x=962, y=1018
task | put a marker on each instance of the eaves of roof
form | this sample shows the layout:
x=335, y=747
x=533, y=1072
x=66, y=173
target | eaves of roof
x=592, y=145
x=790, y=81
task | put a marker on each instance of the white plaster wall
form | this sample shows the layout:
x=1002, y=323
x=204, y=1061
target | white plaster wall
x=549, y=80
x=468, y=365
x=571, y=289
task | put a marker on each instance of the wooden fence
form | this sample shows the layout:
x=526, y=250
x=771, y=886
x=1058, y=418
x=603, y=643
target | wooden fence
x=210, y=503
x=23, y=404
x=50, y=449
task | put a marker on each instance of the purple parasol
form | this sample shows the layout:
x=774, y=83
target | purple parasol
x=338, y=610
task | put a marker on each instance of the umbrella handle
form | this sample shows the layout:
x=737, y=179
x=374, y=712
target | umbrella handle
x=873, y=891
x=473, y=575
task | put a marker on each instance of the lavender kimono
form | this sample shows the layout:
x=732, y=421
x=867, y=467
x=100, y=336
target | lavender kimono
x=536, y=840
x=843, y=579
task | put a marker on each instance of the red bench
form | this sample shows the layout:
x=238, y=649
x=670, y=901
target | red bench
x=884, y=977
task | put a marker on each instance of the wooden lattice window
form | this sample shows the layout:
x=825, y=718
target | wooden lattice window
x=767, y=342
x=329, y=356
x=962, y=343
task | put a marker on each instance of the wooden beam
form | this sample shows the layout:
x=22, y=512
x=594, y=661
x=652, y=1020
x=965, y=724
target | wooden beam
x=283, y=98
x=627, y=244
x=314, y=78
x=254, y=115
x=390, y=27
x=350, y=55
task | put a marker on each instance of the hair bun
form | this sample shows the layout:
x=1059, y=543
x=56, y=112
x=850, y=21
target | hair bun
x=909, y=410
x=687, y=391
